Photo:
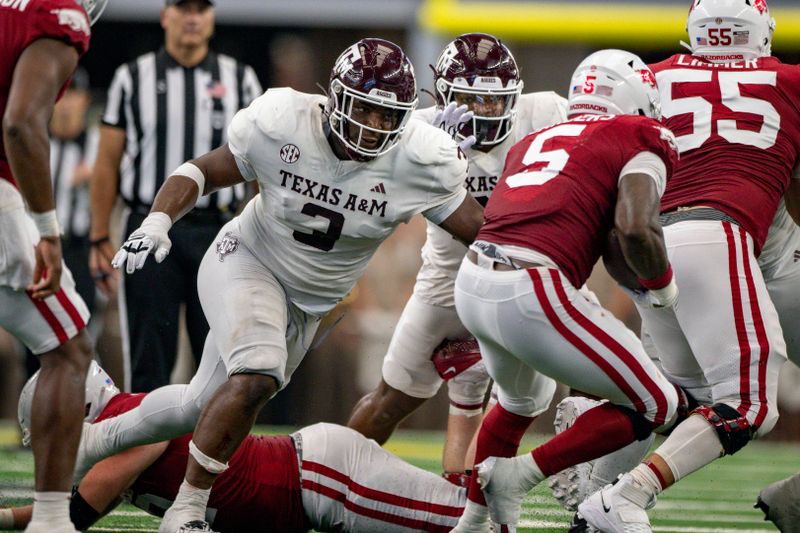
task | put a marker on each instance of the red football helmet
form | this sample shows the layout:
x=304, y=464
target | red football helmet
x=371, y=75
x=478, y=70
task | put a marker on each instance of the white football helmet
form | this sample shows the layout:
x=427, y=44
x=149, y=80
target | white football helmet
x=93, y=8
x=100, y=389
x=730, y=30
x=614, y=82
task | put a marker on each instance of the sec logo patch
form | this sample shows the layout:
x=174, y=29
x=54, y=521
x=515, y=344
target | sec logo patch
x=290, y=153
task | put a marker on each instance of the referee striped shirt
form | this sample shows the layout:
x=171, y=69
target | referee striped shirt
x=172, y=113
x=67, y=156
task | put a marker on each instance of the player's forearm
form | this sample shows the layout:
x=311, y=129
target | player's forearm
x=644, y=250
x=28, y=151
x=102, y=194
x=176, y=197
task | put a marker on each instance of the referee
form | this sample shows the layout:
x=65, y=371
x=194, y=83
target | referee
x=164, y=108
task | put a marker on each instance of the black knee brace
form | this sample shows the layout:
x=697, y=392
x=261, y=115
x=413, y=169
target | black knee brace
x=642, y=428
x=733, y=429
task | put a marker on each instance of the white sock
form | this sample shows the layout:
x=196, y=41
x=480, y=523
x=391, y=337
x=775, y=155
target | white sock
x=192, y=499
x=647, y=480
x=51, y=507
x=529, y=470
x=691, y=446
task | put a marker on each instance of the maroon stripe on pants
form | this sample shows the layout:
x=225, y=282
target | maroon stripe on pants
x=73, y=313
x=50, y=318
x=738, y=319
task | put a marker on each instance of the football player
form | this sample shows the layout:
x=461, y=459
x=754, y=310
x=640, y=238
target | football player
x=475, y=75
x=336, y=176
x=323, y=477
x=563, y=189
x=780, y=502
x=734, y=110
x=41, y=44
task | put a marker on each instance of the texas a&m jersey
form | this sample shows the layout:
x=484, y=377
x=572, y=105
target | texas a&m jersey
x=318, y=220
x=442, y=254
x=559, y=187
x=21, y=23
x=738, y=130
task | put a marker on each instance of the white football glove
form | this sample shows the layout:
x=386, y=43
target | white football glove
x=654, y=298
x=450, y=120
x=151, y=237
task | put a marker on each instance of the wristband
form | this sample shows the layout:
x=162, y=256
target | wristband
x=658, y=282
x=6, y=519
x=157, y=222
x=47, y=223
x=193, y=172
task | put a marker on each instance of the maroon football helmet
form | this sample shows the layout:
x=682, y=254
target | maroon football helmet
x=478, y=70
x=371, y=74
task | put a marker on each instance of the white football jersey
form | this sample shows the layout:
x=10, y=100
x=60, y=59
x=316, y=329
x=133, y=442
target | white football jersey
x=317, y=220
x=442, y=254
x=783, y=242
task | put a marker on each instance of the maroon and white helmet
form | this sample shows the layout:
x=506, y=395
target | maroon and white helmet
x=93, y=8
x=478, y=70
x=378, y=73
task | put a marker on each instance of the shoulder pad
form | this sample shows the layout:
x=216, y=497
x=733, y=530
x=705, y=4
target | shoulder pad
x=279, y=112
x=427, y=145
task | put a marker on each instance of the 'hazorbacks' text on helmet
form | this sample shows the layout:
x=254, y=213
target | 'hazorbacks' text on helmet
x=730, y=30
x=378, y=73
x=614, y=82
x=100, y=389
x=478, y=68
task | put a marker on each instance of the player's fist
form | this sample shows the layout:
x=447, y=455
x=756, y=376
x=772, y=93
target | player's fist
x=150, y=238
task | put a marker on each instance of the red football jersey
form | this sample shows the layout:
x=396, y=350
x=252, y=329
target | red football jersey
x=260, y=489
x=24, y=21
x=738, y=131
x=559, y=187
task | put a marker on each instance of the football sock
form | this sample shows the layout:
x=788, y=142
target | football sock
x=191, y=499
x=691, y=445
x=499, y=436
x=51, y=507
x=597, y=432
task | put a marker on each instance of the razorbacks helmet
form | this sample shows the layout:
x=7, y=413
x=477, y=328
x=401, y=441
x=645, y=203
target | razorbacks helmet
x=93, y=8
x=730, y=30
x=100, y=389
x=478, y=70
x=375, y=73
x=614, y=82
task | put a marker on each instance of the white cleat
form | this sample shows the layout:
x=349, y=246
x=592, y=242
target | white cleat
x=196, y=526
x=182, y=521
x=780, y=502
x=613, y=510
x=504, y=490
x=473, y=528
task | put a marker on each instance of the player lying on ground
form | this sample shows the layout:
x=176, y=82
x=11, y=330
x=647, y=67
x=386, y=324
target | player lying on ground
x=323, y=477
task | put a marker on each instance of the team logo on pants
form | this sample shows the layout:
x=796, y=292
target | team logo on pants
x=227, y=245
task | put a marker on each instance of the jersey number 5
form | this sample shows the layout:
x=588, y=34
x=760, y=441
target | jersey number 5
x=321, y=240
x=702, y=110
x=556, y=159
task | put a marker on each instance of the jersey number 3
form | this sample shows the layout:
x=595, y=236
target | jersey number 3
x=318, y=239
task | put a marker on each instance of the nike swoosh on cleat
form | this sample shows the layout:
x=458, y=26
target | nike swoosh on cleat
x=602, y=501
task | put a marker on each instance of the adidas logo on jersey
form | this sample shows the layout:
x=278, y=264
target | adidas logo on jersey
x=379, y=188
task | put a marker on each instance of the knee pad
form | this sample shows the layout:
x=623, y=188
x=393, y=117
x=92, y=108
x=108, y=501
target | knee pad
x=467, y=391
x=642, y=428
x=733, y=429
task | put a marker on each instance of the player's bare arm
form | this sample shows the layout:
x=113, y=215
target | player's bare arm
x=102, y=195
x=41, y=71
x=177, y=196
x=102, y=486
x=636, y=221
x=465, y=221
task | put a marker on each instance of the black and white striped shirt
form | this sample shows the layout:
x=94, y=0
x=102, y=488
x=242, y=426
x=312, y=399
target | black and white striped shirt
x=172, y=113
x=71, y=192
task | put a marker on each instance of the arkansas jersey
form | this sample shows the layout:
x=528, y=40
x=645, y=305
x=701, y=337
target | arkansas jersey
x=21, y=23
x=442, y=254
x=261, y=486
x=738, y=131
x=317, y=220
x=559, y=187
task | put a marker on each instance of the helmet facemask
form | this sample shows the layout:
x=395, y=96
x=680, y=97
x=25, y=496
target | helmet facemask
x=345, y=106
x=493, y=107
